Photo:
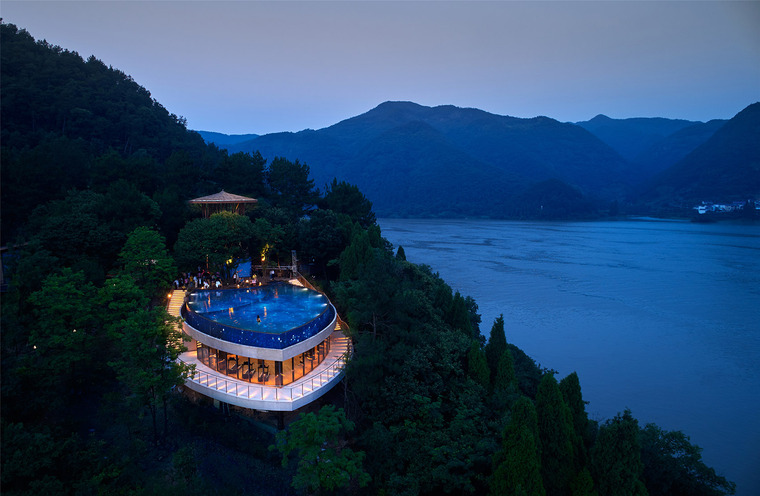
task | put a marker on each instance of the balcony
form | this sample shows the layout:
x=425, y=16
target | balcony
x=272, y=398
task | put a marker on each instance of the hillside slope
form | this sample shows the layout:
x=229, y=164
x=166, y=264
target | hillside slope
x=482, y=162
x=631, y=137
x=668, y=151
x=725, y=167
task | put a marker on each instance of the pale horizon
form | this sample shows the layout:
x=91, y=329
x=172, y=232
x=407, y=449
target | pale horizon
x=263, y=67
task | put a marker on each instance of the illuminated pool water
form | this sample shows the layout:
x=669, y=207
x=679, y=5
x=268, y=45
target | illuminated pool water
x=272, y=309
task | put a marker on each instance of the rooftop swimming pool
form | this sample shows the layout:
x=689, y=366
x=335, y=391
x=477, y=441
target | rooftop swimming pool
x=272, y=316
x=273, y=309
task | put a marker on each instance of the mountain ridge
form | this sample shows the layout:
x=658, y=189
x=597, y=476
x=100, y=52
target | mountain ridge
x=398, y=145
x=726, y=166
x=518, y=152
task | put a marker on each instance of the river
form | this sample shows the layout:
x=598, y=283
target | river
x=662, y=317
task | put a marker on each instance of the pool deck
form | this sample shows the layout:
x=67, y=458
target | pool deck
x=290, y=397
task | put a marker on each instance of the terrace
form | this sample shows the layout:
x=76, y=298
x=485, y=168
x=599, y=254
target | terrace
x=287, y=398
x=267, y=395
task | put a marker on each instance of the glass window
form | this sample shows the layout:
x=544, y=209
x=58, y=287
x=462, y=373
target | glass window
x=221, y=365
x=232, y=365
x=246, y=373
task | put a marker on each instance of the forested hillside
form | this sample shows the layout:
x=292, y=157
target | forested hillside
x=726, y=166
x=669, y=150
x=630, y=137
x=96, y=177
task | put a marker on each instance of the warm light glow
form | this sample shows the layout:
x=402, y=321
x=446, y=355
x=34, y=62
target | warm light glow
x=264, y=252
x=169, y=295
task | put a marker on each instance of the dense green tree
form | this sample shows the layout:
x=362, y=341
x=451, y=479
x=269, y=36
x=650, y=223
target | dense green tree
x=28, y=265
x=505, y=378
x=125, y=208
x=497, y=344
x=437, y=449
x=322, y=238
x=367, y=287
x=517, y=466
x=32, y=176
x=146, y=258
x=345, y=198
x=459, y=316
x=409, y=375
x=33, y=462
x=291, y=188
x=65, y=334
x=325, y=461
x=217, y=242
x=266, y=239
x=583, y=484
x=401, y=254
x=73, y=231
x=242, y=173
x=616, y=458
x=555, y=432
x=527, y=371
x=151, y=342
x=477, y=367
x=355, y=256
x=472, y=309
x=570, y=387
x=674, y=466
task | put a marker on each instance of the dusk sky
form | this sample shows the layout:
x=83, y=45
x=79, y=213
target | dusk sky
x=261, y=67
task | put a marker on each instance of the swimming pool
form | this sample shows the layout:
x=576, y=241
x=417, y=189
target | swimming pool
x=271, y=309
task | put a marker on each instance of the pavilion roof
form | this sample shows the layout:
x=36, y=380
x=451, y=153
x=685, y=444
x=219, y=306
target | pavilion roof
x=223, y=197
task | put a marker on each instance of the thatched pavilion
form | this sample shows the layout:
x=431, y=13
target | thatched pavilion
x=221, y=202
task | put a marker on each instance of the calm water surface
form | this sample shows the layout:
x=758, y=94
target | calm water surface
x=662, y=317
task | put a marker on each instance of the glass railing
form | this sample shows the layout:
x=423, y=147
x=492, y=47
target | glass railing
x=247, y=337
x=287, y=393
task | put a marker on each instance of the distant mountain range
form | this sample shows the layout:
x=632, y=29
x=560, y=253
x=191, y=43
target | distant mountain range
x=412, y=160
x=221, y=140
x=726, y=166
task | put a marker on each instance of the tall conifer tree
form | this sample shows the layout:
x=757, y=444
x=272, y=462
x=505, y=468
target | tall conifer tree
x=497, y=344
x=570, y=387
x=505, y=372
x=616, y=458
x=517, y=466
x=477, y=366
x=555, y=432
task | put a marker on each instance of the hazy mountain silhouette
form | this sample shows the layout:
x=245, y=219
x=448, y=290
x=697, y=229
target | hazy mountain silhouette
x=631, y=137
x=668, y=151
x=725, y=167
x=412, y=160
x=220, y=139
x=415, y=160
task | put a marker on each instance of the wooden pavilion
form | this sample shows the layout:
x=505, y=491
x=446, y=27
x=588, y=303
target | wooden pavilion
x=221, y=202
